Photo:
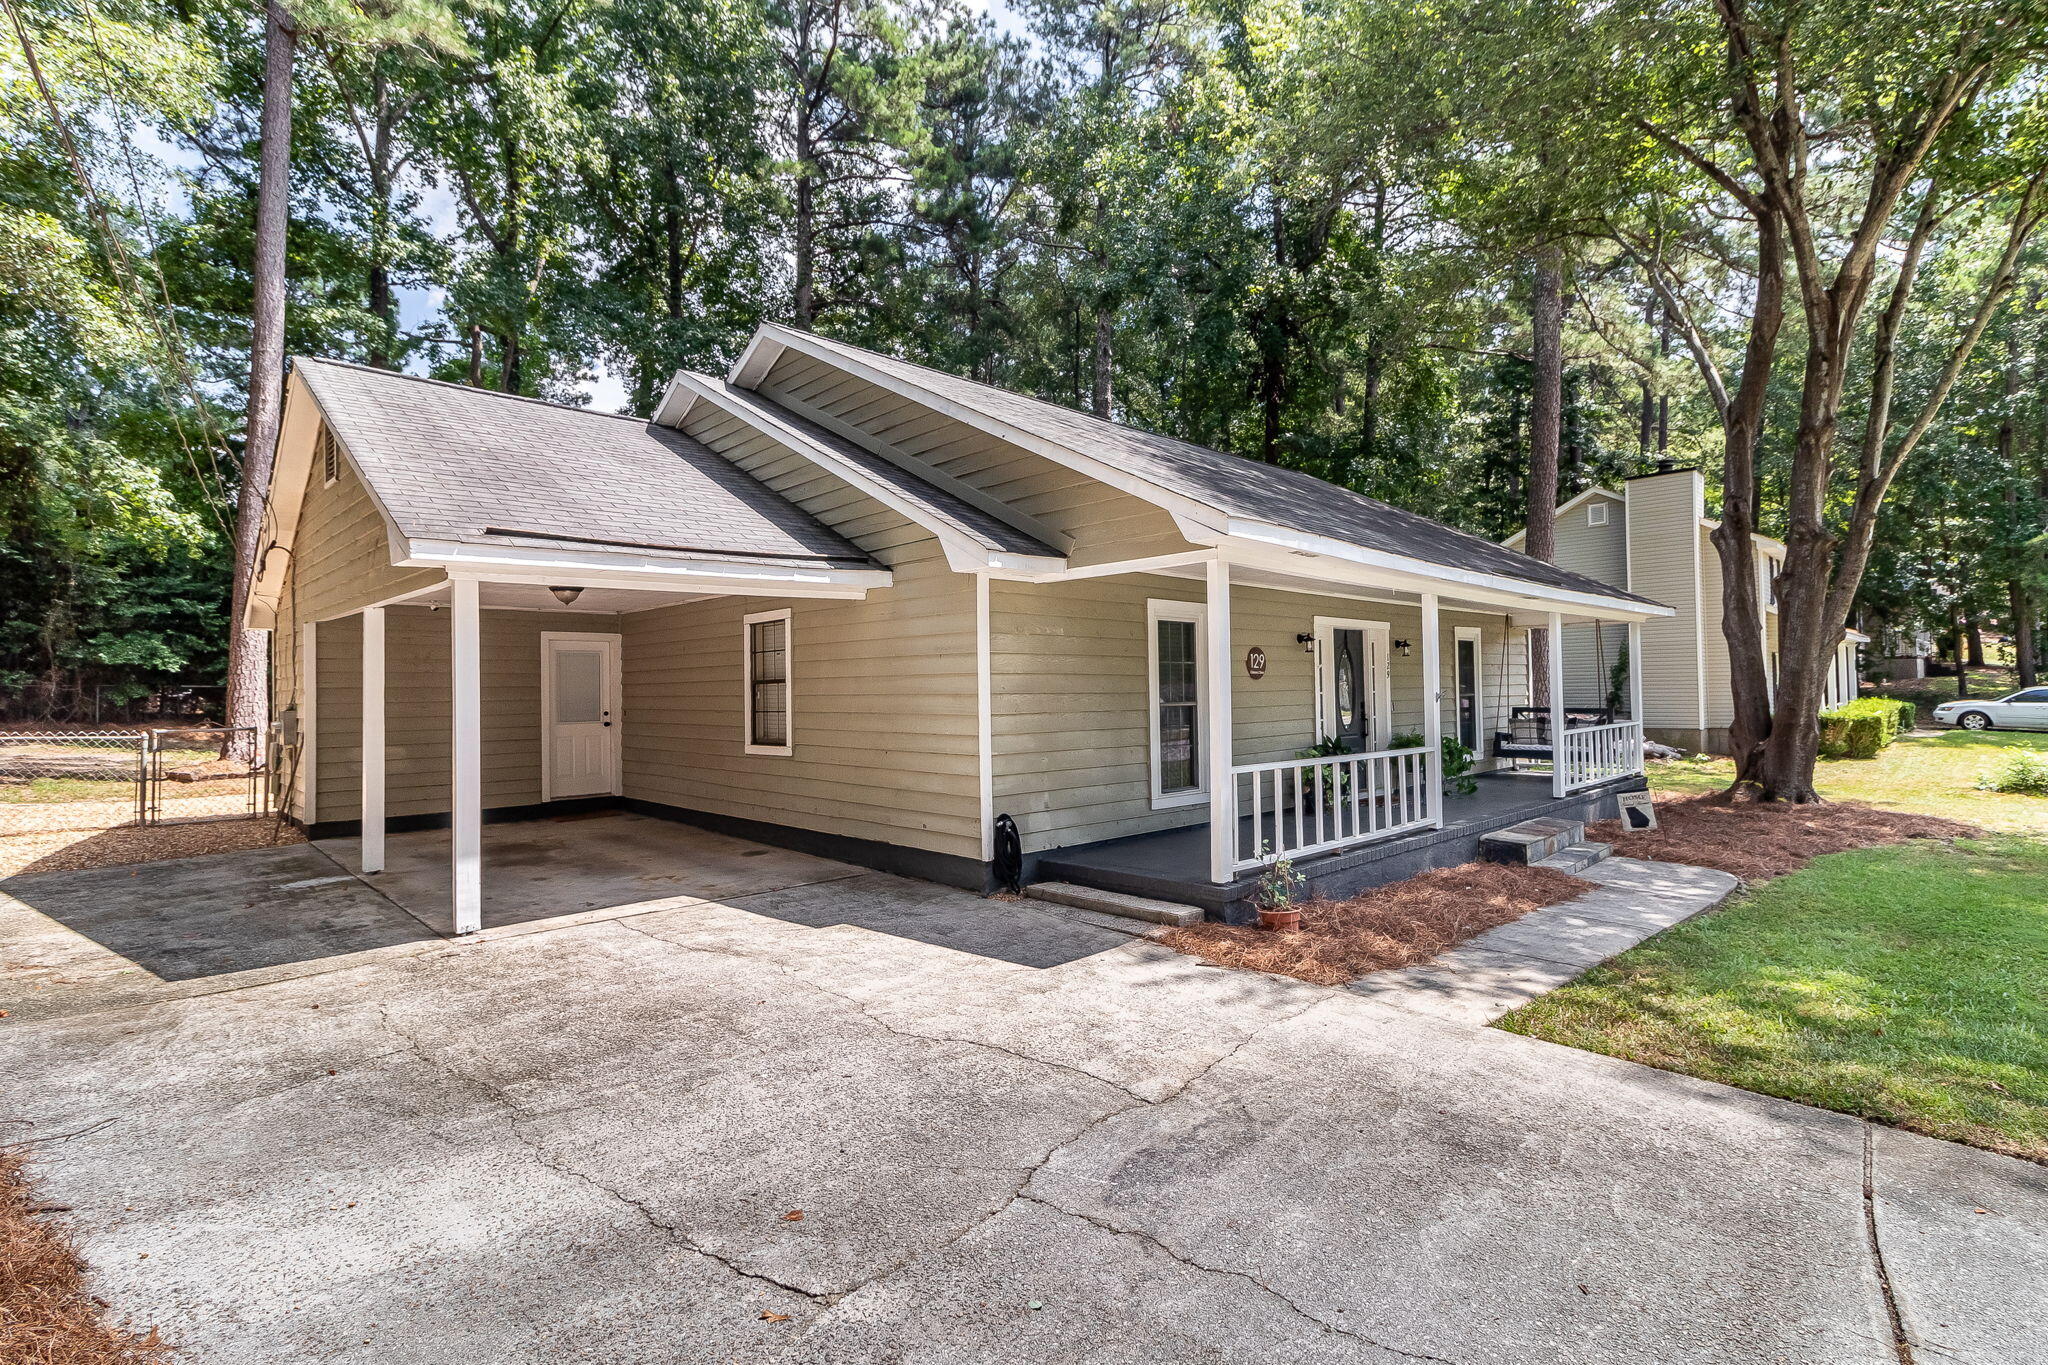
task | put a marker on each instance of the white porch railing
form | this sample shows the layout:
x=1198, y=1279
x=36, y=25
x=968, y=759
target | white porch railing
x=1600, y=753
x=1312, y=805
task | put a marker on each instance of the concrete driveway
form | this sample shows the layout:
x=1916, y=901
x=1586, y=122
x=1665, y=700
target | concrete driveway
x=774, y=1128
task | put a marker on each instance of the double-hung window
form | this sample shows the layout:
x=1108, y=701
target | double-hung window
x=1174, y=659
x=766, y=669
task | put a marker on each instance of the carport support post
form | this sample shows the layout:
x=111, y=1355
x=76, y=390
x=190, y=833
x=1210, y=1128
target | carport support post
x=1556, y=649
x=1433, y=708
x=466, y=684
x=373, y=739
x=1217, y=724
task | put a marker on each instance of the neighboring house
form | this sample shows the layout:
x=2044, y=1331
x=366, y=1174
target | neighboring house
x=848, y=604
x=1904, y=654
x=1652, y=537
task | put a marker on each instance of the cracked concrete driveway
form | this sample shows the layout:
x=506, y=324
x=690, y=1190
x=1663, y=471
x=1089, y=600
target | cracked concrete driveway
x=1013, y=1135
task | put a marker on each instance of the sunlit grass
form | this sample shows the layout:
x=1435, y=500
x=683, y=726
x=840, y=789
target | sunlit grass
x=1924, y=774
x=1902, y=984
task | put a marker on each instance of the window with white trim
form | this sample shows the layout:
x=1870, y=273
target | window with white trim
x=766, y=651
x=1596, y=514
x=1174, y=669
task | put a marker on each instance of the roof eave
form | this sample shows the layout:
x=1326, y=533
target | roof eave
x=628, y=569
x=1270, y=535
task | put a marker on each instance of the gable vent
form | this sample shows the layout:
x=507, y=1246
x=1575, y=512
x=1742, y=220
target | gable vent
x=1596, y=514
x=330, y=458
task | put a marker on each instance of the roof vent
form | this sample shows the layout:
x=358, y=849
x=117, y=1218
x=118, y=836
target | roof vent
x=1667, y=466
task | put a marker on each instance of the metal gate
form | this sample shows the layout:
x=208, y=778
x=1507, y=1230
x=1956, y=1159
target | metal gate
x=203, y=772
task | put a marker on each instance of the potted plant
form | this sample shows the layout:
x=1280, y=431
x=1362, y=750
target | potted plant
x=1278, y=897
x=1457, y=764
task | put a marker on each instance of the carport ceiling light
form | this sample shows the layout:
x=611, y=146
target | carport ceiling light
x=566, y=596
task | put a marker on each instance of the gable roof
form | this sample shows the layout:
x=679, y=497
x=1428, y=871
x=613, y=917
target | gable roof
x=1175, y=470
x=450, y=463
x=919, y=498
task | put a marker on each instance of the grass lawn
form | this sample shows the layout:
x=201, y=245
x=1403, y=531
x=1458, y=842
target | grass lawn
x=1924, y=774
x=1902, y=984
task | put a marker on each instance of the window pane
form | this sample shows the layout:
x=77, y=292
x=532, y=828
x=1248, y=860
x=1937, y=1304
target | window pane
x=1179, y=749
x=579, y=686
x=768, y=674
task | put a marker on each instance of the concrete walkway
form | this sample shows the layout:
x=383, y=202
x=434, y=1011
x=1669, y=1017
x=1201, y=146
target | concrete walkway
x=594, y=1142
x=1502, y=969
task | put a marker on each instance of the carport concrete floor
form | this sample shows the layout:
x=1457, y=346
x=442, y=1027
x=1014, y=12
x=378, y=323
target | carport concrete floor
x=869, y=1119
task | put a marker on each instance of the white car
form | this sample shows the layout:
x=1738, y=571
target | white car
x=2023, y=710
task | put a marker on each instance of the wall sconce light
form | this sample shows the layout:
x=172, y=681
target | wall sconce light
x=566, y=595
x=1403, y=646
x=1307, y=642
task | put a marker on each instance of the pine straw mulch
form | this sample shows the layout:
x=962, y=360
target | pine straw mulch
x=1757, y=841
x=46, y=1315
x=1388, y=926
x=78, y=849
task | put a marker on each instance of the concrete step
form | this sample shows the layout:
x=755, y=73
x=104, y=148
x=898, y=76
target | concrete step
x=1577, y=857
x=1114, y=903
x=1531, y=841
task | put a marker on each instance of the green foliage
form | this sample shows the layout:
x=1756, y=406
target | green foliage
x=1279, y=886
x=1617, y=683
x=1457, y=760
x=1864, y=727
x=2024, y=774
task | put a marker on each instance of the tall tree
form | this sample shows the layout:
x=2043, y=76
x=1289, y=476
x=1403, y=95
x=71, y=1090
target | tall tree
x=1919, y=123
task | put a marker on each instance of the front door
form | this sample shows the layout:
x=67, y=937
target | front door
x=580, y=709
x=1354, y=683
x=1468, y=692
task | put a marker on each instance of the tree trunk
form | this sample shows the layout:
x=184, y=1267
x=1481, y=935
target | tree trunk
x=510, y=367
x=806, y=228
x=2022, y=633
x=1104, y=337
x=248, y=690
x=1962, y=632
x=1973, y=636
x=1546, y=418
x=476, y=356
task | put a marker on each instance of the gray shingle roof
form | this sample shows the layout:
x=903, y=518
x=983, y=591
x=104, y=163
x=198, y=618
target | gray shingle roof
x=935, y=504
x=1237, y=486
x=454, y=463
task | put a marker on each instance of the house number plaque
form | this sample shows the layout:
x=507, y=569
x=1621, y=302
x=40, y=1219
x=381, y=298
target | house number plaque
x=1255, y=662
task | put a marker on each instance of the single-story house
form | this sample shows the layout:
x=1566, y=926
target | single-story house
x=849, y=604
x=1651, y=536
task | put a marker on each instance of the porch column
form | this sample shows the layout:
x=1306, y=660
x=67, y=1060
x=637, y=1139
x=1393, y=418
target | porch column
x=1635, y=686
x=373, y=740
x=1217, y=726
x=1433, y=708
x=1556, y=649
x=466, y=785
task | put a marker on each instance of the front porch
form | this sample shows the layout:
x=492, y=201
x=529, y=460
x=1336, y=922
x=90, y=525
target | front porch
x=1169, y=864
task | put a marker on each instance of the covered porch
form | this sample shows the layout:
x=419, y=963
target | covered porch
x=1257, y=757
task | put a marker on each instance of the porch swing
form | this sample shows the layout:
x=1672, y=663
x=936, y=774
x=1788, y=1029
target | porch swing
x=1527, y=738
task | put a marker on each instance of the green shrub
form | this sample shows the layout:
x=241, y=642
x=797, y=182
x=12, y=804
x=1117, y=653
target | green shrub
x=2025, y=773
x=1859, y=729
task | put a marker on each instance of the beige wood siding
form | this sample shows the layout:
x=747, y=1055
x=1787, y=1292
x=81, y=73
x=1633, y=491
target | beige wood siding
x=1665, y=565
x=1101, y=523
x=1071, y=703
x=340, y=561
x=884, y=712
x=1602, y=553
x=418, y=720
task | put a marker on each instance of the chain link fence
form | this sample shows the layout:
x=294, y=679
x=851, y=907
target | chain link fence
x=53, y=780
x=70, y=779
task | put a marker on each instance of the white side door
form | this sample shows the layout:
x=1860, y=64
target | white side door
x=579, y=697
